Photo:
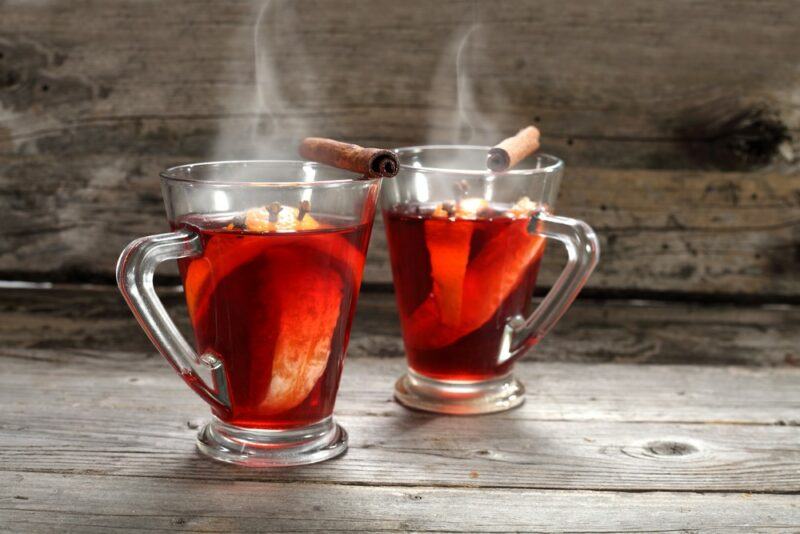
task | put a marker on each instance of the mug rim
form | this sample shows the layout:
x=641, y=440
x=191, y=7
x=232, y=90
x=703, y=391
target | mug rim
x=170, y=174
x=555, y=165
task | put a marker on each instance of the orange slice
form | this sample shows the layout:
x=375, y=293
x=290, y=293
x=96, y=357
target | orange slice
x=448, y=248
x=488, y=281
x=309, y=310
x=306, y=298
x=201, y=277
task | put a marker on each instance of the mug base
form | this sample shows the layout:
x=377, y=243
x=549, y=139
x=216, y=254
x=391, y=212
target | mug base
x=452, y=397
x=272, y=448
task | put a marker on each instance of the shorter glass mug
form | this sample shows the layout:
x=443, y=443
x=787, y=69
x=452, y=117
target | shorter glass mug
x=465, y=247
x=271, y=255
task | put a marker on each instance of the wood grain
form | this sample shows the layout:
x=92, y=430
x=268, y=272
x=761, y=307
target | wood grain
x=34, y=503
x=608, y=89
x=712, y=233
x=615, y=428
x=645, y=114
x=593, y=331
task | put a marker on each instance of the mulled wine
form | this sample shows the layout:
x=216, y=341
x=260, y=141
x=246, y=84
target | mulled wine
x=274, y=302
x=460, y=271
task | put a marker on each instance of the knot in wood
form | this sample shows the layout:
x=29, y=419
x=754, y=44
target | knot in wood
x=670, y=448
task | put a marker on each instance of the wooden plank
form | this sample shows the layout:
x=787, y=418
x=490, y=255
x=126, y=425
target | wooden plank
x=593, y=331
x=556, y=391
x=660, y=230
x=730, y=233
x=605, y=427
x=35, y=503
x=610, y=89
x=87, y=122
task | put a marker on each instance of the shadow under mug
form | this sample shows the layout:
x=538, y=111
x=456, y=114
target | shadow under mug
x=465, y=247
x=271, y=255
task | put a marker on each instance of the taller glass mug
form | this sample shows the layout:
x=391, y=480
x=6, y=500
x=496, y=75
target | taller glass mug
x=271, y=255
x=465, y=246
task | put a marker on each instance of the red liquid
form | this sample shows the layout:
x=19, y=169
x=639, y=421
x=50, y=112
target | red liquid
x=457, y=282
x=276, y=308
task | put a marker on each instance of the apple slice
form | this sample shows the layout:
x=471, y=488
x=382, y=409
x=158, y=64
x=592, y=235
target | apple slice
x=490, y=278
x=448, y=248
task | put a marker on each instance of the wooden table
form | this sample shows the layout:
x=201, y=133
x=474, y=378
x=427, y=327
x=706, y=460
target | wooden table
x=96, y=440
x=679, y=124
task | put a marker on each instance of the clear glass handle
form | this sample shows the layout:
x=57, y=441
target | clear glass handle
x=135, y=269
x=583, y=252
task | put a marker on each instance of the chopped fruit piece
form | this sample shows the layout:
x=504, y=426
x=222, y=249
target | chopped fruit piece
x=448, y=246
x=524, y=207
x=443, y=211
x=309, y=311
x=468, y=208
x=283, y=219
x=471, y=208
x=489, y=279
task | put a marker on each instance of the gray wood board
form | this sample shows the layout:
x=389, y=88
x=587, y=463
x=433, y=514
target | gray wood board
x=592, y=330
x=41, y=502
x=682, y=232
x=639, y=85
x=602, y=427
x=89, y=118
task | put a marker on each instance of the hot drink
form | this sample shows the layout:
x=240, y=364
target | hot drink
x=466, y=228
x=275, y=304
x=458, y=276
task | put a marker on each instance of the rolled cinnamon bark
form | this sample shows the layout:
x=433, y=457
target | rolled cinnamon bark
x=511, y=151
x=370, y=162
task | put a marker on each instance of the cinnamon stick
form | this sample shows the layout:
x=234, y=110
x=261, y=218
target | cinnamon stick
x=511, y=151
x=370, y=162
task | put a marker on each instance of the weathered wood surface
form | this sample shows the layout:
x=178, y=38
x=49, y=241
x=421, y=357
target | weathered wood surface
x=615, y=427
x=659, y=230
x=664, y=394
x=629, y=86
x=34, y=503
x=593, y=331
x=96, y=439
x=672, y=94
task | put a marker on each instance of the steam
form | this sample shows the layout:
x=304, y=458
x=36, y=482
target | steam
x=266, y=90
x=274, y=124
x=464, y=95
x=292, y=89
x=455, y=83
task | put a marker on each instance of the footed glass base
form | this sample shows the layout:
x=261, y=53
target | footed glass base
x=272, y=448
x=459, y=398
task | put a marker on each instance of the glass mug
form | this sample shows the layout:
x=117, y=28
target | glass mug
x=271, y=255
x=465, y=247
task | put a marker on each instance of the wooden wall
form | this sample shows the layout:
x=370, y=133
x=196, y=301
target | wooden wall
x=679, y=121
